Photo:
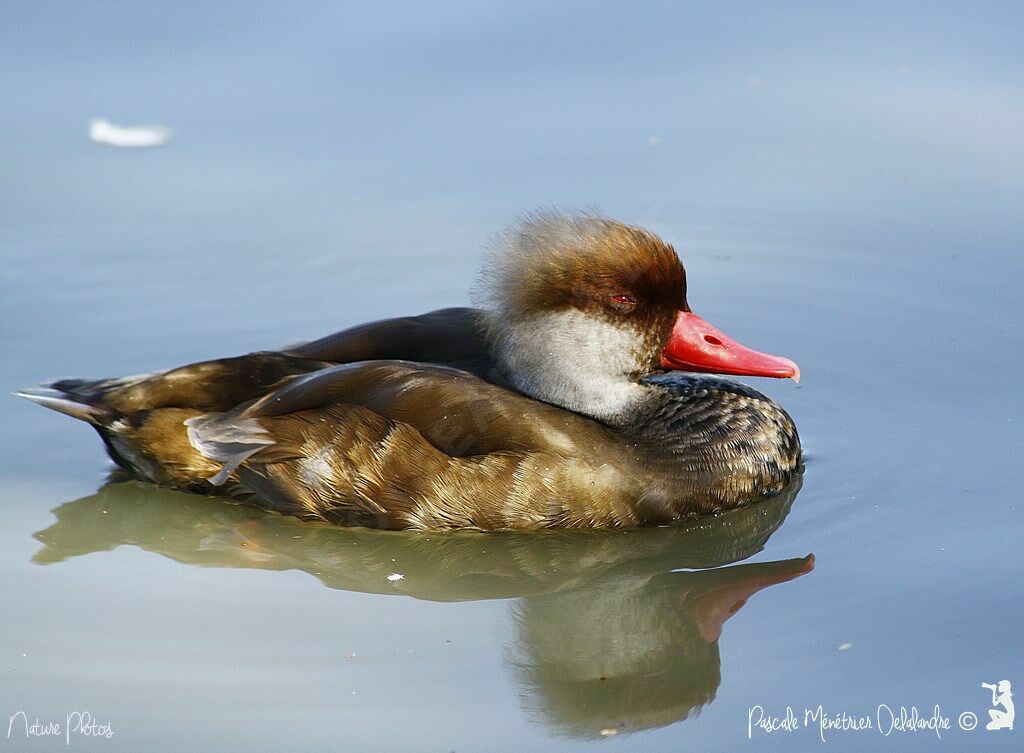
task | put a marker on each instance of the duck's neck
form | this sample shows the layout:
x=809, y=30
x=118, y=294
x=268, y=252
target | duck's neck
x=575, y=361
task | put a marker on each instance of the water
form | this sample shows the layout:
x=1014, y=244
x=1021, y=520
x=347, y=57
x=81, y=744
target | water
x=844, y=186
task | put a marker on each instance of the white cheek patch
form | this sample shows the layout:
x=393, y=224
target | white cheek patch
x=576, y=360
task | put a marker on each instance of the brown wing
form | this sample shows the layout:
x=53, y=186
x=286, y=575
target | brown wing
x=448, y=336
x=210, y=385
x=404, y=445
x=457, y=412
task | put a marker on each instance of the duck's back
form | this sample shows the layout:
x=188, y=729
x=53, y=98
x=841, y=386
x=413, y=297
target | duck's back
x=451, y=337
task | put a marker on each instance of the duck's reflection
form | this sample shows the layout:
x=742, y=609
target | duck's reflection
x=632, y=654
x=609, y=635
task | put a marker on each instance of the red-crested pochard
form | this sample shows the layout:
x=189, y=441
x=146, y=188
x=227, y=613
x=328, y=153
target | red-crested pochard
x=568, y=399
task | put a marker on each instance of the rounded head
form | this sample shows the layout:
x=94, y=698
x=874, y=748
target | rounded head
x=580, y=308
x=552, y=263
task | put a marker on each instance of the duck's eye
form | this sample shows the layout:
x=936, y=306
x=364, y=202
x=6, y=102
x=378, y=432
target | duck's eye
x=623, y=300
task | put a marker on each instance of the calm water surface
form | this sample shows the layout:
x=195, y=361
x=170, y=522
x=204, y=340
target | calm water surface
x=844, y=191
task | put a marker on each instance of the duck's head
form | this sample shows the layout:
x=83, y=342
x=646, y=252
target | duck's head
x=581, y=308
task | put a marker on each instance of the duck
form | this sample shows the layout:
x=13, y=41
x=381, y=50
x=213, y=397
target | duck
x=580, y=391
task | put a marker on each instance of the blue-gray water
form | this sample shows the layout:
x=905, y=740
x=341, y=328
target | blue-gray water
x=845, y=186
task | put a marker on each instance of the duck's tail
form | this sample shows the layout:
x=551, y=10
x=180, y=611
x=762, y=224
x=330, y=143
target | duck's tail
x=83, y=399
x=87, y=400
x=64, y=403
x=69, y=404
x=150, y=442
x=141, y=419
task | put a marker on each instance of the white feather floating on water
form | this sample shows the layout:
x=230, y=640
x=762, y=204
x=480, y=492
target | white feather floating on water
x=105, y=132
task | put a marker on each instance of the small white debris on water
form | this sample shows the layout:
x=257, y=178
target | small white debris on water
x=395, y=576
x=104, y=132
x=609, y=731
x=845, y=646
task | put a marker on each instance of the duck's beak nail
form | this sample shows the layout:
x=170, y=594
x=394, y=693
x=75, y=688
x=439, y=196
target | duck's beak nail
x=796, y=374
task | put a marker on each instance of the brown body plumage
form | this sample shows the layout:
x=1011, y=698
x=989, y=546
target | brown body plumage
x=546, y=409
